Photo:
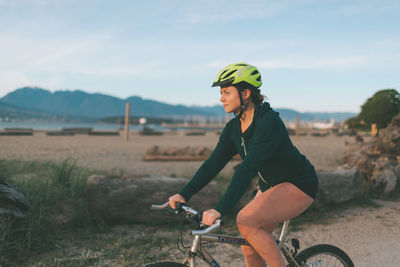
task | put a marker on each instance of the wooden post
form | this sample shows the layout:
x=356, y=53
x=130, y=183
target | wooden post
x=297, y=126
x=374, y=129
x=127, y=121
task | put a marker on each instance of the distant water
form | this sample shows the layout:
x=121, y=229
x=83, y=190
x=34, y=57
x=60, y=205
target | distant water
x=59, y=126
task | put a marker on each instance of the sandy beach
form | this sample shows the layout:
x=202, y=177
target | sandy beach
x=369, y=235
x=113, y=152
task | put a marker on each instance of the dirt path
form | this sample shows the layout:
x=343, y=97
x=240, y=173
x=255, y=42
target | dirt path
x=369, y=235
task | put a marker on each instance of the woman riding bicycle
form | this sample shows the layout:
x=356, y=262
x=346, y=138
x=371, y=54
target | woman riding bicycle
x=287, y=180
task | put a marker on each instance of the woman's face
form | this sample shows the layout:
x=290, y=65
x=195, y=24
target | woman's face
x=230, y=99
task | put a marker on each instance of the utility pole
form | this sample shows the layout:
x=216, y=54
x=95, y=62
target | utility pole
x=127, y=121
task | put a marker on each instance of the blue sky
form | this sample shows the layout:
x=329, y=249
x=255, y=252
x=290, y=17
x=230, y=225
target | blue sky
x=313, y=55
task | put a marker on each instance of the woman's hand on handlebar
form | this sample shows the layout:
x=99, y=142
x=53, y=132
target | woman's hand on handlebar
x=176, y=199
x=209, y=216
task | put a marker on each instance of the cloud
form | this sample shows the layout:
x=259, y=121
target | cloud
x=27, y=52
x=11, y=80
x=312, y=63
x=30, y=60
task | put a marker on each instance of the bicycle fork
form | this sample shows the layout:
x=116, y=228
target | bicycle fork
x=196, y=246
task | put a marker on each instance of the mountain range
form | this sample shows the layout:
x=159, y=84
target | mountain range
x=33, y=102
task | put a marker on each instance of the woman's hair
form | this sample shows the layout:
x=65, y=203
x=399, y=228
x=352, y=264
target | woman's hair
x=256, y=96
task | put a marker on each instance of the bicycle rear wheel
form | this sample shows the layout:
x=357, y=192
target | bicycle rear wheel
x=323, y=256
x=165, y=264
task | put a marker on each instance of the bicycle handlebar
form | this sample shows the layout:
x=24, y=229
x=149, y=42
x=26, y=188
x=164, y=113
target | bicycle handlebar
x=217, y=224
x=160, y=207
x=189, y=211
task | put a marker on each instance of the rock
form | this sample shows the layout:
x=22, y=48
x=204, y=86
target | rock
x=379, y=169
x=384, y=175
x=340, y=185
x=359, y=139
x=378, y=159
x=358, y=156
x=388, y=140
x=128, y=199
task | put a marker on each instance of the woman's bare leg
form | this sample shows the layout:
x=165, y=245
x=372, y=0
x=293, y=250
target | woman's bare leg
x=251, y=257
x=257, y=220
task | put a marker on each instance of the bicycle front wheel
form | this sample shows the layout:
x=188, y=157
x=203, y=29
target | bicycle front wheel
x=165, y=264
x=323, y=256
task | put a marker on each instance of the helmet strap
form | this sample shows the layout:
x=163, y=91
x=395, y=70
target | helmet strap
x=243, y=105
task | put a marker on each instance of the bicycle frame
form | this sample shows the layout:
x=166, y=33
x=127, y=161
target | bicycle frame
x=202, y=235
x=197, y=249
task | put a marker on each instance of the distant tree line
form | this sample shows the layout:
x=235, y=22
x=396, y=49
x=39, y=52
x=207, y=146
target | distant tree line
x=378, y=109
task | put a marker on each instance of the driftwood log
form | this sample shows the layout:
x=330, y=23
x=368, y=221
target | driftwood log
x=174, y=158
x=156, y=153
x=128, y=199
x=340, y=185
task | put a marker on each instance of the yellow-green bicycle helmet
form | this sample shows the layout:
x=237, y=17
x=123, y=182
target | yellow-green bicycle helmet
x=237, y=73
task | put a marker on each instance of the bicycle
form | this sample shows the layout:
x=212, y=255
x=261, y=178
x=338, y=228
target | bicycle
x=315, y=256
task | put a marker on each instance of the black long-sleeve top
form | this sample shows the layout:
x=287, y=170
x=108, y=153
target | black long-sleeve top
x=269, y=151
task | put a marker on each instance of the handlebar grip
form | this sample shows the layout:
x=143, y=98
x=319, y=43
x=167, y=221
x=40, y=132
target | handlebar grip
x=216, y=225
x=160, y=207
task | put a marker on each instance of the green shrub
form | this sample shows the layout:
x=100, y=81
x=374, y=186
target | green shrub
x=381, y=108
x=56, y=193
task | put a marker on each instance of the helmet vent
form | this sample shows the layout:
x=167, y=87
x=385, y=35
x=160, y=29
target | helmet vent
x=230, y=73
x=223, y=73
x=240, y=64
x=254, y=72
x=259, y=79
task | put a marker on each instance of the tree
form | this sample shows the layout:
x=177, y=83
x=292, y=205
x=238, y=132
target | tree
x=380, y=108
x=355, y=123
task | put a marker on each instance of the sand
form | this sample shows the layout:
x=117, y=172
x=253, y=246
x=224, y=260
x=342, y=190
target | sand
x=371, y=236
x=113, y=152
